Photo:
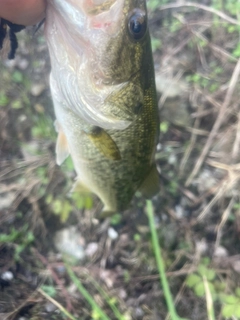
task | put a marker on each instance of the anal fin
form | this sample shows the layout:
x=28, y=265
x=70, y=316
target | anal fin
x=150, y=186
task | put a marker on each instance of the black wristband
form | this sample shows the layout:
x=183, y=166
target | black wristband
x=13, y=28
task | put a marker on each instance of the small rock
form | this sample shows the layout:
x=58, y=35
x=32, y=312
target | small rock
x=201, y=247
x=10, y=63
x=220, y=252
x=50, y=307
x=179, y=211
x=108, y=277
x=112, y=233
x=124, y=238
x=172, y=159
x=122, y=294
x=205, y=180
x=23, y=64
x=69, y=241
x=7, y=276
x=39, y=108
x=6, y=200
x=91, y=249
x=37, y=89
x=139, y=313
x=236, y=266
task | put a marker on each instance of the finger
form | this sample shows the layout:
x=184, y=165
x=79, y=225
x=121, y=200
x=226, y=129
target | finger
x=25, y=12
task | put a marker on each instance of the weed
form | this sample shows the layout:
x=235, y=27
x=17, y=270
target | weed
x=195, y=280
x=43, y=127
x=4, y=100
x=205, y=275
x=160, y=263
x=156, y=44
x=164, y=126
x=17, y=77
x=49, y=290
x=20, y=239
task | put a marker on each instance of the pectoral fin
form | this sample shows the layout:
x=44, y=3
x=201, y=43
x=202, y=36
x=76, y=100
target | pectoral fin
x=150, y=185
x=62, y=151
x=104, y=143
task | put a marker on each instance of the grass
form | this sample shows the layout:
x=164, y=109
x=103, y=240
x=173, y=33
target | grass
x=95, y=307
x=160, y=263
x=111, y=303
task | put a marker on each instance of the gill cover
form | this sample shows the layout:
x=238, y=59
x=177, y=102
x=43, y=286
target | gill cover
x=77, y=31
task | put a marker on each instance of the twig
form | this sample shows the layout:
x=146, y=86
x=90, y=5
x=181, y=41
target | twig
x=236, y=145
x=213, y=46
x=21, y=306
x=190, y=146
x=223, y=221
x=56, y=279
x=57, y=304
x=202, y=7
x=217, y=123
x=226, y=185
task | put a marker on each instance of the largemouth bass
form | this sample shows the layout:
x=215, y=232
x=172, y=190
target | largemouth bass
x=103, y=89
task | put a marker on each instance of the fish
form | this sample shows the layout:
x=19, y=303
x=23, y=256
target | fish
x=103, y=90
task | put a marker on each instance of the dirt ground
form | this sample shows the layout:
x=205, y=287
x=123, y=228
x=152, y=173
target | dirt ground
x=196, y=54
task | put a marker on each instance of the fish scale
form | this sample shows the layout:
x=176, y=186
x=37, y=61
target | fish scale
x=107, y=116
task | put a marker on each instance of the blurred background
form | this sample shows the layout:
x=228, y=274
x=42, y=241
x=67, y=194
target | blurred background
x=196, y=49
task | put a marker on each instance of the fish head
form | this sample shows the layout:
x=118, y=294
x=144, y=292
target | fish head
x=98, y=52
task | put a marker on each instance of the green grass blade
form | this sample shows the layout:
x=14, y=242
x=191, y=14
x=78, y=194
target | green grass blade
x=209, y=300
x=108, y=299
x=160, y=263
x=86, y=295
x=57, y=304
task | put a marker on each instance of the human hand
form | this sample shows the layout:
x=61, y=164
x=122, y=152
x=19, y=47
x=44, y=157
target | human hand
x=23, y=12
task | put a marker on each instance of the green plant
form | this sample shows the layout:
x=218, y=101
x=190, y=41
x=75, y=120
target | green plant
x=164, y=126
x=195, y=280
x=43, y=127
x=231, y=304
x=160, y=263
x=60, y=207
x=156, y=44
x=4, y=100
x=20, y=239
x=97, y=311
x=63, y=206
x=49, y=290
x=205, y=279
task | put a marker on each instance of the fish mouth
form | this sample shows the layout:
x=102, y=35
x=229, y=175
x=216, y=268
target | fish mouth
x=86, y=16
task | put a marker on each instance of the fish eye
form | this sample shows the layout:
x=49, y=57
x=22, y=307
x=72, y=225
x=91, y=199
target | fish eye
x=137, y=24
